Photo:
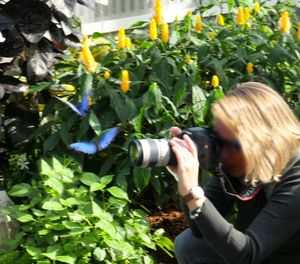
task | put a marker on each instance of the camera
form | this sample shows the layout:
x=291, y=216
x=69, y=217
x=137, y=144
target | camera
x=158, y=152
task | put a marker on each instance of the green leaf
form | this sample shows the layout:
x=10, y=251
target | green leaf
x=21, y=190
x=66, y=259
x=97, y=211
x=64, y=133
x=199, y=100
x=53, y=204
x=33, y=251
x=55, y=184
x=118, y=192
x=95, y=124
x=39, y=87
x=99, y=254
x=51, y=142
x=24, y=218
x=88, y=83
x=141, y=178
x=89, y=178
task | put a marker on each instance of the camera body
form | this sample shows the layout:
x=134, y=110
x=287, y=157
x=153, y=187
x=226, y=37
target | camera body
x=158, y=152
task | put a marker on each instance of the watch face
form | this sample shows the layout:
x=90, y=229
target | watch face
x=197, y=191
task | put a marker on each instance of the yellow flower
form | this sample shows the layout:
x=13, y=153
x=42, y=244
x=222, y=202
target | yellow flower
x=158, y=12
x=249, y=67
x=87, y=56
x=189, y=13
x=106, y=74
x=256, y=7
x=62, y=90
x=215, y=81
x=220, y=20
x=68, y=87
x=198, y=25
x=125, y=83
x=198, y=19
x=90, y=101
x=298, y=31
x=176, y=18
x=127, y=43
x=240, y=19
x=248, y=24
x=284, y=22
x=121, y=38
x=153, y=29
x=188, y=59
x=247, y=13
x=165, y=32
x=212, y=35
x=41, y=107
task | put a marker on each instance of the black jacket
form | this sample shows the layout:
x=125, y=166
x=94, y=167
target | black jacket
x=267, y=231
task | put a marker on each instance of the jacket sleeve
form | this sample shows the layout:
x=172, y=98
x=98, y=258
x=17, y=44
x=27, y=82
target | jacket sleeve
x=273, y=226
x=214, y=192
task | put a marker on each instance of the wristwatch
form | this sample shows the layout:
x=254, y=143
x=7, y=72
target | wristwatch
x=195, y=193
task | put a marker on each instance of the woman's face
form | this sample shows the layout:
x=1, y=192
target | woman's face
x=230, y=157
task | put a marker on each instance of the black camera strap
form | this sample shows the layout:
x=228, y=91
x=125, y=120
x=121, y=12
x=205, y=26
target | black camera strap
x=248, y=193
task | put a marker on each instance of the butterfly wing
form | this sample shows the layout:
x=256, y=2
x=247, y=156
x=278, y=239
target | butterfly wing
x=85, y=147
x=107, y=138
x=84, y=104
x=73, y=107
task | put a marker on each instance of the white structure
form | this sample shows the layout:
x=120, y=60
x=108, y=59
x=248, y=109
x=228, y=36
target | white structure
x=110, y=15
x=123, y=13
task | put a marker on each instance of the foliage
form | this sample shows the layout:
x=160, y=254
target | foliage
x=70, y=216
x=171, y=83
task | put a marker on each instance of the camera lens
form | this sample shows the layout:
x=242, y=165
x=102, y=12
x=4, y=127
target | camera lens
x=150, y=153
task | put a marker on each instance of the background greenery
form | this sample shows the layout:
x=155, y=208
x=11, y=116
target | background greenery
x=93, y=203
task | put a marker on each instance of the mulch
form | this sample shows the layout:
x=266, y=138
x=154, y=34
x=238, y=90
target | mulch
x=172, y=220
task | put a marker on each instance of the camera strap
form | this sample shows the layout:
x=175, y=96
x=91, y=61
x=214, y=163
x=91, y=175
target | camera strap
x=248, y=193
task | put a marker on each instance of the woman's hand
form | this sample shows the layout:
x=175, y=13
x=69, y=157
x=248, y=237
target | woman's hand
x=173, y=169
x=187, y=168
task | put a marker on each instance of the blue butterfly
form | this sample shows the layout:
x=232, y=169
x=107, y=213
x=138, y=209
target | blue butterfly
x=102, y=142
x=82, y=108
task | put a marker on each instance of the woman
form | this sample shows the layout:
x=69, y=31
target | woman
x=260, y=138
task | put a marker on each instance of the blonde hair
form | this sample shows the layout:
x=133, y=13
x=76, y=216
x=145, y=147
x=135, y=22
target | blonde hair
x=266, y=127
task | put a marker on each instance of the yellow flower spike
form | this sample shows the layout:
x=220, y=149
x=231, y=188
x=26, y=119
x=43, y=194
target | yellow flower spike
x=176, y=18
x=220, y=20
x=121, y=38
x=298, y=31
x=87, y=56
x=90, y=101
x=249, y=67
x=153, y=29
x=256, y=7
x=198, y=19
x=199, y=27
x=125, y=82
x=188, y=59
x=68, y=87
x=106, y=74
x=189, y=13
x=247, y=13
x=240, y=19
x=127, y=43
x=165, y=33
x=284, y=22
x=158, y=15
x=212, y=35
x=215, y=81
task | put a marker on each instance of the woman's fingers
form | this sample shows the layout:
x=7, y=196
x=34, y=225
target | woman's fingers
x=175, y=131
x=184, y=152
x=191, y=146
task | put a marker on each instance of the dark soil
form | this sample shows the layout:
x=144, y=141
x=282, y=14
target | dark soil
x=171, y=219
